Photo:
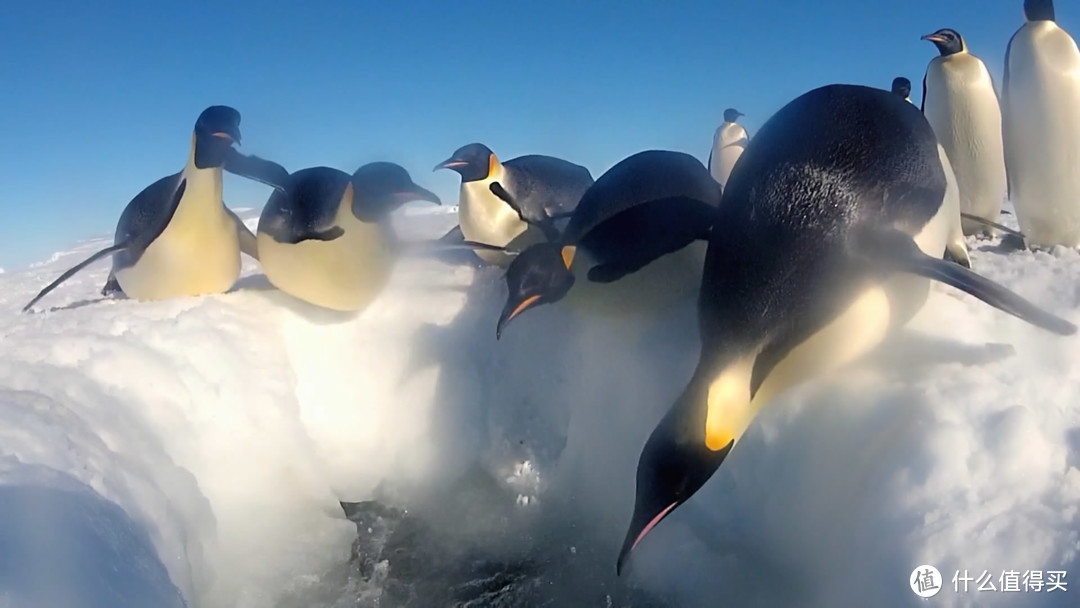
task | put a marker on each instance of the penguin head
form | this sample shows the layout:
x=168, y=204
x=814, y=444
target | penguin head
x=674, y=464
x=1039, y=10
x=539, y=275
x=947, y=41
x=901, y=86
x=216, y=130
x=731, y=115
x=473, y=162
x=380, y=188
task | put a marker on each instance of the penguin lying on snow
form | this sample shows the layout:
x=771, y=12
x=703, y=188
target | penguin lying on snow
x=176, y=237
x=544, y=187
x=327, y=238
x=830, y=232
x=636, y=241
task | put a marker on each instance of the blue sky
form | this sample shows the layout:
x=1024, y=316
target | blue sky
x=99, y=99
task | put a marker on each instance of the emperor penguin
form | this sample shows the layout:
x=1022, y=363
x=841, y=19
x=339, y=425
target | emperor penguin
x=176, y=237
x=829, y=234
x=961, y=104
x=327, y=239
x=1041, y=100
x=729, y=141
x=902, y=87
x=544, y=187
x=634, y=245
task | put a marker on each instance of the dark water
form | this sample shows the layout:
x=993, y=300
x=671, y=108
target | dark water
x=471, y=546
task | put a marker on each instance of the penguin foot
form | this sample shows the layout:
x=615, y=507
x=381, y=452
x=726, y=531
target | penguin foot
x=112, y=286
x=1011, y=242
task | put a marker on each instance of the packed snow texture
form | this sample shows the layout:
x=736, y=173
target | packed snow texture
x=228, y=427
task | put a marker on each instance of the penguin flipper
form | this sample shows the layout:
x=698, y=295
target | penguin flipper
x=454, y=236
x=986, y=222
x=545, y=224
x=892, y=250
x=329, y=234
x=957, y=255
x=248, y=243
x=1010, y=162
x=257, y=169
x=74, y=269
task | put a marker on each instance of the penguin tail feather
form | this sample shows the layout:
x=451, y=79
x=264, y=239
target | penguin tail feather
x=67, y=275
x=893, y=250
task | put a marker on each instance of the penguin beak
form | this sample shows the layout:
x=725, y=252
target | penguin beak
x=933, y=38
x=233, y=137
x=450, y=163
x=418, y=194
x=637, y=532
x=511, y=310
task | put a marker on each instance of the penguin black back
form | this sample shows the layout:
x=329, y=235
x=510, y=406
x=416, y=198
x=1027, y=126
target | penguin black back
x=545, y=186
x=647, y=205
x=883, y=170
x=307, y=208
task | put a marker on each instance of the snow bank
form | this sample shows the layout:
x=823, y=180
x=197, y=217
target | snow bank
x=228, y=427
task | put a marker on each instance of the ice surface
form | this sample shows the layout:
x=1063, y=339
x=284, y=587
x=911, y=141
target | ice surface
x=227, y=428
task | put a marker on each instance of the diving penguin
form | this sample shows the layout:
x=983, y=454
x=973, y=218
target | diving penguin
x=960, y=102
x=1040, y=100
x=544, y=186
x=829, y=234
x=634, y=244
x=176, y=237
x=902, y=87
x=729, y=141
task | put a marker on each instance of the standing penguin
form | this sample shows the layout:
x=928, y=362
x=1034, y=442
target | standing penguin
x=1041, y=100
x=327, y=238
x=902, y=87
x=729, y=141
x=634, y=244
x=176, y=237
x=960, y=102
x=544, y=186
x=828, y=237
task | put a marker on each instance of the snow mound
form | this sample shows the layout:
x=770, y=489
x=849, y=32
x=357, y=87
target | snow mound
x=228, y=428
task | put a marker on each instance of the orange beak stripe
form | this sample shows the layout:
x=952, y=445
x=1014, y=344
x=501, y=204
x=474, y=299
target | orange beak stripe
x=568, y=255
x=529, y=301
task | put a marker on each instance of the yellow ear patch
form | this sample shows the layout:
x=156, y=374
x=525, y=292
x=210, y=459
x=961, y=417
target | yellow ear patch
x=493, y=164
x=568, y=253
x=728, y=412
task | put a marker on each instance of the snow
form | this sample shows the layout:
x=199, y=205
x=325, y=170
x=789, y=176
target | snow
x=228, y=427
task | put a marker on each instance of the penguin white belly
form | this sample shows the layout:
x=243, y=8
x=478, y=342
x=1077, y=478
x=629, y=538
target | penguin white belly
x=344, y=274
x=963, y=109
x=661, y=284
x=198, y=253
x=864, y=323
x=1044, y=134
x=728, y=148
x=955, y=245
x=485, y=218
